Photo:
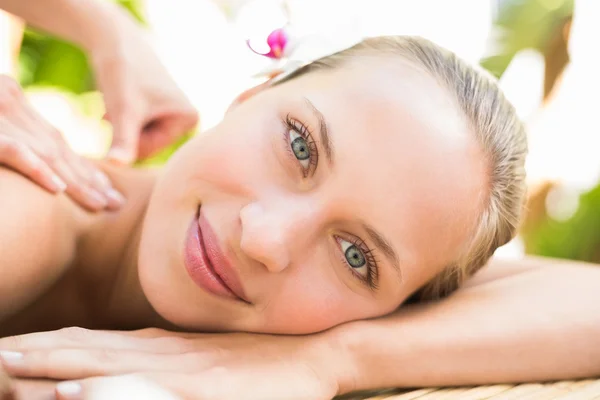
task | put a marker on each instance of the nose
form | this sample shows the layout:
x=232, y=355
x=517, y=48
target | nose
x=273, y=233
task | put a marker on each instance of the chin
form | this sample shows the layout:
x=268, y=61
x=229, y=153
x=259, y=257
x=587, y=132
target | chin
x=174, y=297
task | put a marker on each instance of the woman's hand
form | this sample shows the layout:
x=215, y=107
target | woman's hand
x=34, y=148
x=146, y=108
x=6, y=386
x=192, y=366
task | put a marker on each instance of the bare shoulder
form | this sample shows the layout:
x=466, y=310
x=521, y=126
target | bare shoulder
x=38, y=232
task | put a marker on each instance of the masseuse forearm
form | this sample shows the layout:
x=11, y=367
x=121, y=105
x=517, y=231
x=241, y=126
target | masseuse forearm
x=541, y=324
x=83, y=22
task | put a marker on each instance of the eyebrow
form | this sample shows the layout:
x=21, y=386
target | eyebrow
x=385, y=246
x=326, y=140
x=380, y=241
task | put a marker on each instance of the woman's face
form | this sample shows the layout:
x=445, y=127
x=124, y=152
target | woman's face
x=328, y=198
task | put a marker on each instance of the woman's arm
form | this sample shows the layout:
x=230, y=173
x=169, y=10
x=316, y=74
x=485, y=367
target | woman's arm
x=524, y=320
x=527, y=320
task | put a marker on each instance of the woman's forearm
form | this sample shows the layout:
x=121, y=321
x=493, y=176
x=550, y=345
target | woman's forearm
x=539, y=324
x=87, y=23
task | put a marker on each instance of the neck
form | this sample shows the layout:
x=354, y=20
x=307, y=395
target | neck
x=108, y=256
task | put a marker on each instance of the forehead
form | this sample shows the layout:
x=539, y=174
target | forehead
x=406, y=160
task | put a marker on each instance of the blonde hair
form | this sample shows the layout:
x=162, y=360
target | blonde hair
x=498, y=131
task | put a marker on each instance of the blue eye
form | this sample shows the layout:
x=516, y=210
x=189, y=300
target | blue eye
x=360, y=261
x=355, y=257
x=300, y=148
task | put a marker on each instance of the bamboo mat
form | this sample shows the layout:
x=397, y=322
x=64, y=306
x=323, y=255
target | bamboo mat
x=588, y=389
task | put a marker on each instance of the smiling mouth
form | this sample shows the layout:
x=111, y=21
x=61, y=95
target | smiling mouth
x=207, y=265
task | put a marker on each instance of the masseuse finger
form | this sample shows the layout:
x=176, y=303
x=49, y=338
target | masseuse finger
x=77, y=189
x=36, y=149
x=23, y=160
x=49, y=142
x=42, y=126
x=80, y=363
x=21, y=113
x=123, y=387
x=152, y=340
x=30, y=121
x=94, y=178
x=126, y=136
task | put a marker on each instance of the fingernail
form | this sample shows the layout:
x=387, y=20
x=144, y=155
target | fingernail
x=97, y=197
x=102, y=178
x=115, y=196
x=11, y=357
x=69, y=390
x=120, y=155
x=59, y=184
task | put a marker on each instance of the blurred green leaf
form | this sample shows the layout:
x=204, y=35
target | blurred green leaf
x=520, y=25
x=577, y=238
x=163, y=156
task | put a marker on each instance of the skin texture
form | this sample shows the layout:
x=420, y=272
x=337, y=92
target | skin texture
x=540, y=315
x=284, y=223
x=32, y=146
x=526, y=320
x=283, y=228
x=278, y=221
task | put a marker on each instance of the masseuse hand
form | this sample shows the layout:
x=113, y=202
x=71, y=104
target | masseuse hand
x=144, y=105
x=34, y=148
x=191, y=366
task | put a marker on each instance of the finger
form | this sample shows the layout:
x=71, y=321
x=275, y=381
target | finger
x=34, y=389
x=7, y=389
x=123, y=387
x=78, y=189
x=96, y=179
x=83, y=363
x=166, y=129
x=126, y=133
x=23, y=160
x=212, y=384
x=33, y=123
x=10, y=95
x=63, y=162
x=79, y=338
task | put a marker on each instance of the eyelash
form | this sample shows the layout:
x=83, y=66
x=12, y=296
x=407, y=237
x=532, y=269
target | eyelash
x=371, y=280
x=304, y=131
x=301, y=129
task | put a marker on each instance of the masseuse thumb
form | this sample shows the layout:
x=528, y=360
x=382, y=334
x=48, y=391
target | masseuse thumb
x=126, y=136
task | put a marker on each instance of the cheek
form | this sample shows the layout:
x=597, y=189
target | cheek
x=306, y=308
x=311, y=298
x=233, y=158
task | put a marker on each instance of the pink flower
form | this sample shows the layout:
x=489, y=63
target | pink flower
x=277, y=42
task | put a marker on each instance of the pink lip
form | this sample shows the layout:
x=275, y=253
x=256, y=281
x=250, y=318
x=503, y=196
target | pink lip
x=207, y=265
